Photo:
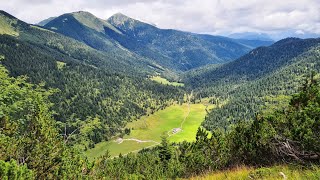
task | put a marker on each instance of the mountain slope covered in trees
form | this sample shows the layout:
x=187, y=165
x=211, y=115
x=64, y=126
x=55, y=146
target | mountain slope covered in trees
x=262, y=77
x=44, y=22
x=182, y=49
x=111, y=61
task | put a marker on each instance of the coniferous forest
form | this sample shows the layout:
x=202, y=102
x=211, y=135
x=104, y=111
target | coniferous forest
x=76, y=81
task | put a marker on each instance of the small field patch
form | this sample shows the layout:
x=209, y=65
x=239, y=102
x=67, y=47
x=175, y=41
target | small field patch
x=162, y=80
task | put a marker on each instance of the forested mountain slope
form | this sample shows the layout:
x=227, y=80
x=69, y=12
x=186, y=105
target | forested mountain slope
x=87, y=28
x=256, y=79
x=31, y=146
x=257, y=63
x=94, y=88
x=45, y=21
x=111, y=61
x=180, y=50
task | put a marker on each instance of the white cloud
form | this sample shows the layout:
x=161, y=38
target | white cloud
x=215, y=16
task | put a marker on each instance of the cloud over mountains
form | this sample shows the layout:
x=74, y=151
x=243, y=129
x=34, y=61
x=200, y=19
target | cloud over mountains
x=277, y=18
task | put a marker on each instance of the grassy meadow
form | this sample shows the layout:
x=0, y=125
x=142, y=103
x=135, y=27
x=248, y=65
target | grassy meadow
x=151, y=128
x=162, y=80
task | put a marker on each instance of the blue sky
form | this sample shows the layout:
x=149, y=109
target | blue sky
x=277, y=18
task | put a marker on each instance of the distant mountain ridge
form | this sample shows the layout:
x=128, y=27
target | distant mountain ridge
x=251, y=36
x=191, y=50
x=258, y=62
x=44, y=22
x=171, y=49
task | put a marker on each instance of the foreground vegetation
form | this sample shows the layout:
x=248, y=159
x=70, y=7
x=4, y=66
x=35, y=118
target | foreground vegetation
x=267, y=173
x=29, y=139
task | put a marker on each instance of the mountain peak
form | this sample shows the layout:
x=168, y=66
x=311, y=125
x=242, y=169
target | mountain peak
x=120, y=15
x=119, y=19
x=89, y=20
x=84, y=16
x=126, y=23
x=83, y=13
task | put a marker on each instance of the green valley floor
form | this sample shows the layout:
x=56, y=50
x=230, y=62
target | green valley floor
x=177, y=122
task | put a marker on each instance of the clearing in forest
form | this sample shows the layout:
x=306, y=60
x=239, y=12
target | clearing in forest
x=162, y=80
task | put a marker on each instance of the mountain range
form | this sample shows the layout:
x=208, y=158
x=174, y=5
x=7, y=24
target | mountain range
x=251, y=36
x=171, y=49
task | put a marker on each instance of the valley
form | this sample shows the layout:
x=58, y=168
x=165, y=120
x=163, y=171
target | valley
x=88, y=97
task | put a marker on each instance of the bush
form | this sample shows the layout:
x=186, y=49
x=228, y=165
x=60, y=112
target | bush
x=12, y=171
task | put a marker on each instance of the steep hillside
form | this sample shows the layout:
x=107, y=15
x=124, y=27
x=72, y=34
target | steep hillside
x=44, y=22
x=261, y=78
x=86, y=28
x=7, y=24
x=257, y=63
x=92, y=31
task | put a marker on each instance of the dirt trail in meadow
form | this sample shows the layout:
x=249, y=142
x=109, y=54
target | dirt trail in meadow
x=120, y=140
